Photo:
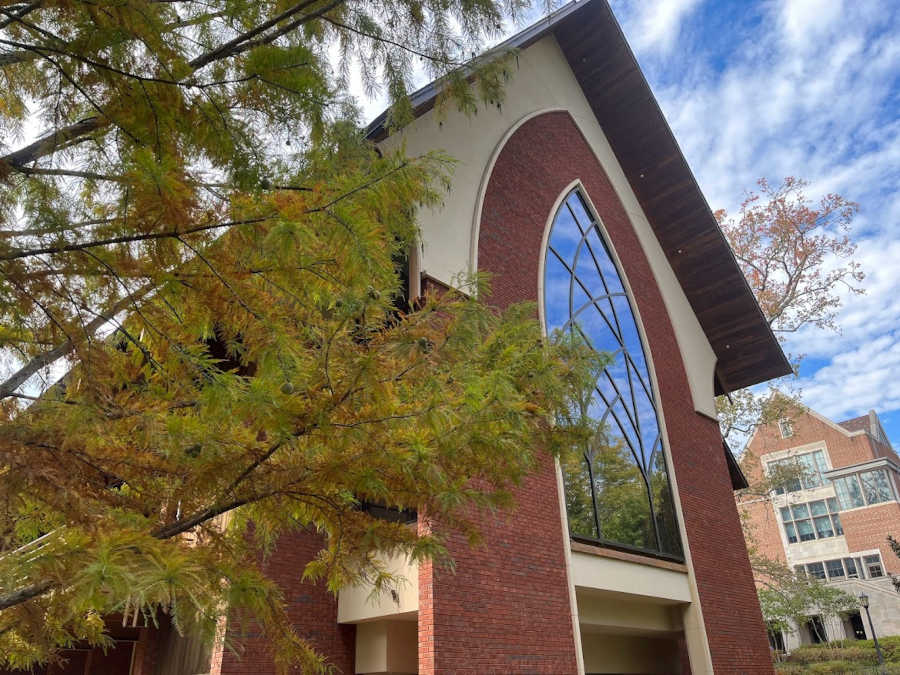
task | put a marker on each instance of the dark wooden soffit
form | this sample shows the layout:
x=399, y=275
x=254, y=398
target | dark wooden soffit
x=738, y=479
x=595, y=47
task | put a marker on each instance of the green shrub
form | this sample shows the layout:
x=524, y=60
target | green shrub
x=846, y=667
x=820, y=654
x=843, y=656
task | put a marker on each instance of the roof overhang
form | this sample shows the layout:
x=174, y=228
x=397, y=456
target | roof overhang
x=607, y=71
x=738, y=479
x=870, y=465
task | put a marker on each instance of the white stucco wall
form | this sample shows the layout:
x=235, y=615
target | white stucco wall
x=541, y=82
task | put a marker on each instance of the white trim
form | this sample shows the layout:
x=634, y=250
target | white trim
x=486, y=178
x=834, y=425
x=570, y=581
x=694, y=606
x=804, y=449
x=868, y=465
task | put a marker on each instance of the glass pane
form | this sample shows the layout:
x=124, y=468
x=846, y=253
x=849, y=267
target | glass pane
x=873, y=566
x=835, y=569
x=791, y=533
x=832, y=505
x=821, y=464
x=800, y=511
x=823, y=527
x=811, y=477
x=851, y=568
x=785, y=514
x=836, y=519
x=875, y=486
x=621, y=495
x=670, y=537
x=816, y=570
x=624, y=479
x=818, y=508
x=848, y=492
x=579, y=503
x=805, y=530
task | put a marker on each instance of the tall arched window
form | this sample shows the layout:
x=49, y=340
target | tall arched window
x=617, y=488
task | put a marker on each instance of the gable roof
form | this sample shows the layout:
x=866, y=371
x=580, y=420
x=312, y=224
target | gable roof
x=606, y=69
x=860, y=423
x=870, y=423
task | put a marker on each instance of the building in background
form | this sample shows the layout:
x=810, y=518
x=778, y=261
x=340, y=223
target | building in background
x=832, y=523
x=573, y=194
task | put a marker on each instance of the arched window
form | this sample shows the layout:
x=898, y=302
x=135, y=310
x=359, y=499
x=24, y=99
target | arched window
x=617, y=489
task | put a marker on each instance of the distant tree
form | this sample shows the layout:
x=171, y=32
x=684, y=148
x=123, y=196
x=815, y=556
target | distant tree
x=787, y=599
x=796, y=256
x=202, y=238
x=895, y=547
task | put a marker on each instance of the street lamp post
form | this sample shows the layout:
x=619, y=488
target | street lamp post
x=864, y=601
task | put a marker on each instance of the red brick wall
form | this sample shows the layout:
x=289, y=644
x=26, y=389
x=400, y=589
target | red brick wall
x=869, y=527
x=540, y=159
x=764, y=528
x=505, y=609
x=312, y=609
x=865, y=528
x=843, y=450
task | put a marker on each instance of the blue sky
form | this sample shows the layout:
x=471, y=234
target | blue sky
x=809, y=88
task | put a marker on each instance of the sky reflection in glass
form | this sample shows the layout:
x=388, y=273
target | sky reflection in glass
x=618, y=492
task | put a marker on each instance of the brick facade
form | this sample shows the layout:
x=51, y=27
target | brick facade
x=843, y=449
x=505, y=608
x=540, y=159
x=846, y=444
x=868, y=528
x=311, y=608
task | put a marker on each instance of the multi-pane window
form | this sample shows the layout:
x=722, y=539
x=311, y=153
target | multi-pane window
x=617, y=488
x=786, y=427
x=810, y=466
x=835, y=569
x=873, y=566
x=863, y=489
x=839, y=569
x=816, y=570
x=811, y=520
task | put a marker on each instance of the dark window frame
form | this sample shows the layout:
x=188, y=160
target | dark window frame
x=648, y=458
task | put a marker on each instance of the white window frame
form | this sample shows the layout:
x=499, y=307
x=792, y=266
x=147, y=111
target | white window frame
x=786, y=428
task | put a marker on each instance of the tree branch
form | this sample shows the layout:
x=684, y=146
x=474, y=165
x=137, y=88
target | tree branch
x=24, y=594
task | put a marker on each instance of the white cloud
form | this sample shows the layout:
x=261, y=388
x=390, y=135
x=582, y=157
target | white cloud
x=810, y=89
x=858, y=380
x=654, y=24
x=803, y=21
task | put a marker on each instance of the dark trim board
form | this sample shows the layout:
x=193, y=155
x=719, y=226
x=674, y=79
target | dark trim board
x=595, y=47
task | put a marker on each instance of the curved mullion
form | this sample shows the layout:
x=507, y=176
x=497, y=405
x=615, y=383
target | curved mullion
x=610, y=410
x=648, y=389
x=628, y=442
x=588, y=293
x=637, y=417
x=590, y=468
x=622, y=427
x=595, y=227
x=616, y=389
x=652, y=512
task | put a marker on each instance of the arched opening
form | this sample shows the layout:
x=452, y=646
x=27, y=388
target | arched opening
x=617, y=489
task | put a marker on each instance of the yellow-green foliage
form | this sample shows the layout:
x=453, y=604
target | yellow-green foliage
x=844, y=656
x=205, y=239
